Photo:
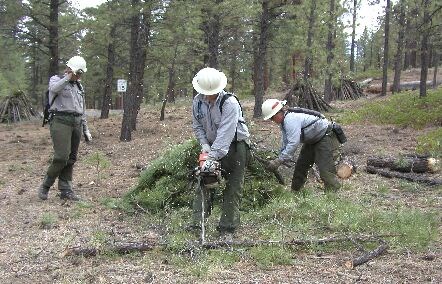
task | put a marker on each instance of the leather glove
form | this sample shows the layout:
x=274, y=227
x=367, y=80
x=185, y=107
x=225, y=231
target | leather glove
x=210, y=166
x=205, y=148
x=87, y=135
x=274, y=164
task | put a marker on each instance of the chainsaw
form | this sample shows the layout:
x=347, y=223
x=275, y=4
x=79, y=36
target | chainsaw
x=208, y=177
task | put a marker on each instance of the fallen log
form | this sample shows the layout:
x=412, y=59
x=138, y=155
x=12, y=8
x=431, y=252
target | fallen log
x=403, y=86
x=405, y=164
x=407, y=176
x=367, y=256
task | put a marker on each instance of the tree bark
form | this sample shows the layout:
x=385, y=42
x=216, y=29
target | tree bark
x=107, y=95
x=53, y=38
x=367, y=256
x=308, y=58
x=424, y=50
x=211, y=29
x=405, y=164
x=140, y=28
x=353, y=35
x=386, y=48
x=259, y=58
x=436, y=64
x=330, y=55
x=400, y=48
x=407, y=176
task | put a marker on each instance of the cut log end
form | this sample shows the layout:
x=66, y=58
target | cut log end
x=433, y=165
x=345, y=169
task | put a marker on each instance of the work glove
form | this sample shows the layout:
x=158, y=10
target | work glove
x=209, y=166
x=274, y=164
x=205, y=148
x=87, y=135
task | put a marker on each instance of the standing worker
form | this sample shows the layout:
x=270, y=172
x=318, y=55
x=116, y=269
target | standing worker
x=320, y=144
x=67, y=123
x=220, y=128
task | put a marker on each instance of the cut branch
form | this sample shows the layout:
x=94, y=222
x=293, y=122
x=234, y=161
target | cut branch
x=367, y=256
x=119, y=249
x=265, y=163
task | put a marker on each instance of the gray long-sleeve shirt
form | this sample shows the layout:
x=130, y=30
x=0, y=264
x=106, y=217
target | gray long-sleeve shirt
x=292, y=135
x=215, y=128
x=70, y=97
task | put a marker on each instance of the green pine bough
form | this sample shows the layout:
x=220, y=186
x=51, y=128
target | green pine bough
x=168, y=182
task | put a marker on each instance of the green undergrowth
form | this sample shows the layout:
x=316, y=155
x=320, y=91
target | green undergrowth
x=308, y=216
x=404, y=109
x=430, y=143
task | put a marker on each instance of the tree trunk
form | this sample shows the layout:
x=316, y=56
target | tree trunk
x=107, y=95
x=259, y=59
x=311, y=24
x=233, y=65
x=400, y=47
x=53, y=38
x=133, y=97
x=330, y=55
x=211, y=28
x=424, y=50
x=386, y=47
x=353, y=34
x=170, y=93
x=436, y=64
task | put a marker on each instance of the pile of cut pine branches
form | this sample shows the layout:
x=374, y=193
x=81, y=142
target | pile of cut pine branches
x=16, y=108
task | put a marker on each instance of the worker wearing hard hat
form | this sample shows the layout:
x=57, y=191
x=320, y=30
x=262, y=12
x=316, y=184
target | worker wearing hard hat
x=220, y=128
x=67, y=124
x=315, y=132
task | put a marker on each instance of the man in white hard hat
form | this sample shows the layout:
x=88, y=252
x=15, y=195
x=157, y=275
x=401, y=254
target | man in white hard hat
x=315, y=132
x=220, y=128
x=67, y=124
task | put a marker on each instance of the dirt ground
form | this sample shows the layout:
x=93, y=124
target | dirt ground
x=32, y=253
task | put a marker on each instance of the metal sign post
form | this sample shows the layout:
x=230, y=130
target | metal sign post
x=121, y=88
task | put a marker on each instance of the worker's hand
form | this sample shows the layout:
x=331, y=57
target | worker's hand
x=205, y=148
x=274, y=164
x=68, y=74
x=87, y=135
x=209, y=166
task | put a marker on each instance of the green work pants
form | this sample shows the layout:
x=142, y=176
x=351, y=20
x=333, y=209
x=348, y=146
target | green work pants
x=233, y=165
x=66, y=134
x=324, y=154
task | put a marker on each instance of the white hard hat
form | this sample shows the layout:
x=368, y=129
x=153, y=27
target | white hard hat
x=77, y=64
x=271, y=107
x=209, y=81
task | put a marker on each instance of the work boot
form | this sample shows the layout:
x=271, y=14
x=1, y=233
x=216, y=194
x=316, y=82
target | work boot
x=43, y=192
x=69, y=195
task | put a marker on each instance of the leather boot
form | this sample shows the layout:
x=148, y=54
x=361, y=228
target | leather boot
x=69, y=195
x=66, y=191
x=43, y=190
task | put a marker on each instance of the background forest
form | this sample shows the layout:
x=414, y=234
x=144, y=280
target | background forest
x=159, y=45
x=129, y=192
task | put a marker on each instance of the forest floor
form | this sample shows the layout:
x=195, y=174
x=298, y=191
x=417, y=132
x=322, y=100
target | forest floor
x=34, y=234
